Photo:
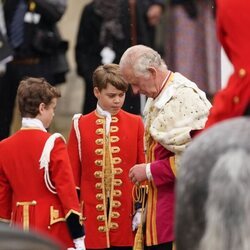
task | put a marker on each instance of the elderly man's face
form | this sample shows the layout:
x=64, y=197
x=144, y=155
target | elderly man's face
x=141, y=84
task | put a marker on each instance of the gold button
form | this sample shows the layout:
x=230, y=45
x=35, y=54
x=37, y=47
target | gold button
x=114, y=129
x=116, y=160
x=99, y=121
x=117, y=193
x=98, y=185
x=116, y=204
x=118, y=170
x=115, y=215
x=99, y=197
x=100, y=218
x=114, y=225
x=242, y=72
x=98, y=174
x=99, y=141
x=99, y=151
x=98, y=162
x=99, y=131
x=99, y=207
x=101, y=229
x=236, y=99
x=115, y=149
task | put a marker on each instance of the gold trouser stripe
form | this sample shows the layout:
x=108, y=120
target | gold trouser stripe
x=26, y=205
x=172, y=165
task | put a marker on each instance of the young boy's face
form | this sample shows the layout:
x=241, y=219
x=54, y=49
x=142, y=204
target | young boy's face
x=110, y=99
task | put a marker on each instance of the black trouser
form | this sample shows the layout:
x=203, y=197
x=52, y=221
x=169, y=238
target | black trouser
x=164, y=246
x=113, y=248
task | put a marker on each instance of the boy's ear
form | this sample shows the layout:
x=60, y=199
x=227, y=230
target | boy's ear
x=42, y=107
x=96, y=92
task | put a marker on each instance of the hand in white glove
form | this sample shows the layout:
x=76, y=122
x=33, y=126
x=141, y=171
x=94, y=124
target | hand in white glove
x=79, y=244
x=136, y=219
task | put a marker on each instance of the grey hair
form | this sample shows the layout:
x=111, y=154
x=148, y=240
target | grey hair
x=140, y=58
x=207, y=153
x=227, y=207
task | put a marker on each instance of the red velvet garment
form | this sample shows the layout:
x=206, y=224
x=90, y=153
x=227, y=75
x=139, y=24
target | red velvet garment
x=233, y=22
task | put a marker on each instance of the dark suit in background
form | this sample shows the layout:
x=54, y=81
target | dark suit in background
x=89, y=43
x=41, y=53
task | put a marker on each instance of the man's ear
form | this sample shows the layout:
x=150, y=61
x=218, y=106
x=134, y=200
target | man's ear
x=152, y=71
x=96, y=92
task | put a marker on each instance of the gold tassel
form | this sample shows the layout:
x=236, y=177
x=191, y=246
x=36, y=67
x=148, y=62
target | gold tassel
x=139, y=195
x=139, y=239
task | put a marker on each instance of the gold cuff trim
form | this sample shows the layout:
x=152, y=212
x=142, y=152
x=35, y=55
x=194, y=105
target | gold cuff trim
x=71, y=211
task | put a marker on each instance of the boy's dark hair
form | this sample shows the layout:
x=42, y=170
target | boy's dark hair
x=109, y=73
x=32, y=92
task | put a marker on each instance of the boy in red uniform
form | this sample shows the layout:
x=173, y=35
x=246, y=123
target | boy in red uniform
x=37, y=189
x=103, y=146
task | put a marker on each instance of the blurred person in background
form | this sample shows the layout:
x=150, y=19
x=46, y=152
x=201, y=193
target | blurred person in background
x=191, y=45
x=234, y=34
x=106, y=29
x=37, y=46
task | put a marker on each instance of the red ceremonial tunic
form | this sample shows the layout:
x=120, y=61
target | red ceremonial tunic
x=24, y=198
x=106, y=223
x=233, y=22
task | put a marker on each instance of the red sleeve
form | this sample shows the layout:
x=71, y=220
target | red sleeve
x=5, y=197
x=62, y=177
x=162, y=172
x=74, y=156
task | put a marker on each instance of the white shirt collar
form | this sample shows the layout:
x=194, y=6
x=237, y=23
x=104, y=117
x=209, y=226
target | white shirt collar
x=107, y=116
x=32, y=123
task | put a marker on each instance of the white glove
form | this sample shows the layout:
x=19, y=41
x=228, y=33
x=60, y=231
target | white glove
x=79, y=244
x=136, y=219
